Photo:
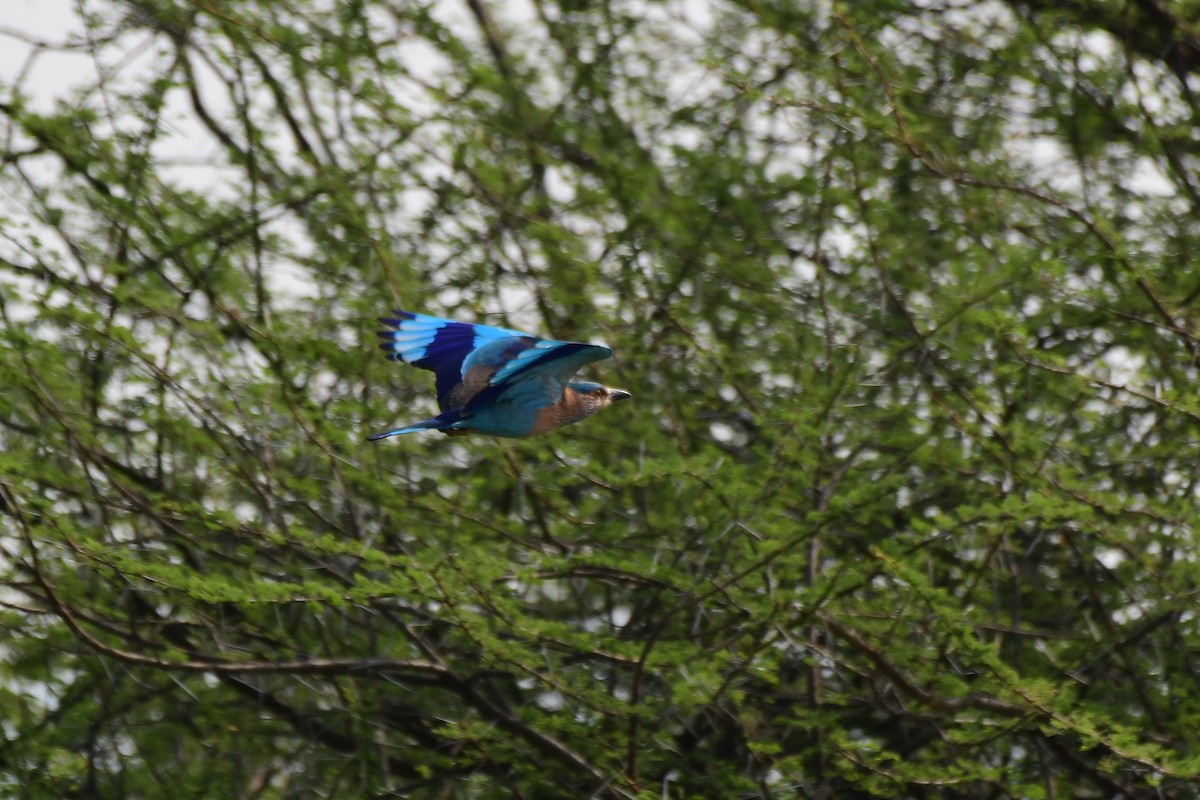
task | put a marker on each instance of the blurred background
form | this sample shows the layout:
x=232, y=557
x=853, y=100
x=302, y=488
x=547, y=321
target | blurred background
x=904, y=503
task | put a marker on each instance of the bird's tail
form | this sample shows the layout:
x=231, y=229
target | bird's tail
x=442, y=422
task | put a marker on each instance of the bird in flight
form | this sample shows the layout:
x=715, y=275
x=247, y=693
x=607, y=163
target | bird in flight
x=496, y=381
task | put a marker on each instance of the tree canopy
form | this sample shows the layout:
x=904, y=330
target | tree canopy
x=904, y=504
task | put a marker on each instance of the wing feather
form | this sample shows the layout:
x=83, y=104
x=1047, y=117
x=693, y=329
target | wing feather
x=536, y=375
x=438, y=345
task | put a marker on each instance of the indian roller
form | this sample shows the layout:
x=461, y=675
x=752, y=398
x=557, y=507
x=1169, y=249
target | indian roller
x=496, y=381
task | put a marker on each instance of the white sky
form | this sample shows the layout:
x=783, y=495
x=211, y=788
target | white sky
x=51, y=21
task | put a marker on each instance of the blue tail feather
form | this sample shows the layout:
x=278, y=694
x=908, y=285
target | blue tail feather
x=442, y=422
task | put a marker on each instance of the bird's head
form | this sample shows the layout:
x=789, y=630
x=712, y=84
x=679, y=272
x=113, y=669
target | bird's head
x=595, y=396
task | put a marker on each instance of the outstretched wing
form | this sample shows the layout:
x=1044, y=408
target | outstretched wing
x=534, y=374
x=440, y=345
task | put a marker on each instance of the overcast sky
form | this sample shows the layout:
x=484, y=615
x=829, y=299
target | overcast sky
x=51, y=21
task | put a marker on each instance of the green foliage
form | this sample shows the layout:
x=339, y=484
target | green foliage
x=903, y=505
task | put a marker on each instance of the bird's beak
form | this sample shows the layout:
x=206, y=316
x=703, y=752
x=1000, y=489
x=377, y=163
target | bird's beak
x=618, y=394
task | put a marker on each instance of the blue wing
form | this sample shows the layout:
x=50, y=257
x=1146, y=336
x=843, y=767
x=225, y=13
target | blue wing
x=535, y=375
x=440, y=345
